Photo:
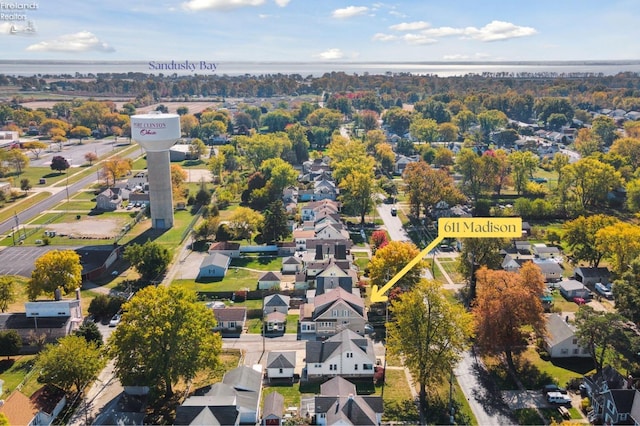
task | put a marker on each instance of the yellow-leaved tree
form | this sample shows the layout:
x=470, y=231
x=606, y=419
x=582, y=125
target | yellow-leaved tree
x=56, y=269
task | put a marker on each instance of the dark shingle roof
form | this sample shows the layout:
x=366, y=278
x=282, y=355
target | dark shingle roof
x=273, y=405
x=230, y=314
x=281, y=360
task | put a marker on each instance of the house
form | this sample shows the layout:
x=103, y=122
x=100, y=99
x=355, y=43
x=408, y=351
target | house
x=230, y=320
x=551, y=270
x=227, y=248
x=338, y=310
x=276, y=303
x=591, y=276
x=234, y=401
x=598, y=384
x=542, y=251
x=561, y=340
x=281, y=365
x=301, y=236
x=109, y=199
x=273, y=409
x=347, y=354
x=401, y=163
x=19, y=409
x=572, y=288
x=269, y=280
x=339, y=404
x=275, y=322
x=308, y=212
x=331, y=231
x=214, y=266
x=291, y=265
x=617, y=406
x=305, y=320
x=333, y=277
x=286, y=248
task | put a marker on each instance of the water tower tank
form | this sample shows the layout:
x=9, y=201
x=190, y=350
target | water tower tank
x=156, y=133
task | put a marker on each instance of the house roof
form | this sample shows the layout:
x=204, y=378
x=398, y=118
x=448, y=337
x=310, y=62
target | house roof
x=230, y=314
x=206, y=415
x=273, y=317
x=299, y=233
x=558, y=329
x=19, y=409
x=341, y=405
x=592, y=272
x=337, y=386
x=569, y=285
x=549, y=267
x=281, y=359
x=273, y=405
x=291, y=260
x=276, y=300
x=338, y=294
x=224, y=245
x=244, y=378
x=270, y=276
x=546, y=249
x=623, y=398
x=216, y=259
x=346, y=340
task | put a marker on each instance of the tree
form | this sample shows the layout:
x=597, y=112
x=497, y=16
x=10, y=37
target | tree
x=275, y=227
x=17, y=159
x=491, y=120
x=149, y=259
x=90, y=157
x=633, y=195
x=629, y=148
x=390, y=260
x=165, y=334
x=477, y=252
x=398, y=120
x=448, y=131
x=424, y=129
x=207, y=229
x=279, y=175
x=358, y=189
x=580, y=236
x=596, y=331
x=115, y=168
x=10, y=343
x=620, y=243
x=605, y=128
x=90, y=332
x=56, y=269
x=4, y=421
x=59, y=163
x=35, y=147
x=469, y=165
x=258, y=147
x=197, y=149
x=386, y=157
x=507, y=304
x=523, y=164
x=428, y=332
x=378, y=240
x=25, y=185
x=558, y=162
x=626, y=291
x=590, y=180
x=299, y=141
x=7, y=292
x=80, y=132
x=105, y=306
x=244, y=222
x=70, y=364
x=426, y=187
x=178, y=177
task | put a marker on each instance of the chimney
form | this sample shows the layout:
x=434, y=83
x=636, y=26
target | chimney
x=319, y=255
x=341, y=252
x=78, y=293
x=57, y=294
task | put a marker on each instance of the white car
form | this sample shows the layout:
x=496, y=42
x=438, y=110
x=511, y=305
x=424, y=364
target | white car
x=115, y=320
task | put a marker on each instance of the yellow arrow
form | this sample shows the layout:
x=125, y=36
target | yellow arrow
x=377, y=295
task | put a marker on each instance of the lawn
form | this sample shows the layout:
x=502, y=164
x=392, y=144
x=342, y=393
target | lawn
x=535, y=372
x=291, y=393
x=236, y=279
x=8, y=210
x=451, y=266
x=13, y=371
x=261, y=263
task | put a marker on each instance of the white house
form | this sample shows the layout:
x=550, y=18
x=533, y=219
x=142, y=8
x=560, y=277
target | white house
x=347, y=354
x=276, y=303
x=301, y=236
x=561, y=341
x=281, y=365
x=227, y=248
x=339, y=404
x=269, y=280
x=572, y=288
x=331, y=231
x=544, y=252
x=214, y=266
x=291, y=265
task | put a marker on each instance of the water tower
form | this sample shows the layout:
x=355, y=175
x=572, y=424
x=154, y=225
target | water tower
x=156, y=133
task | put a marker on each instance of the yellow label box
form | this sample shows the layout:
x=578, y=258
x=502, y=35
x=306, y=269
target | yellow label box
x=480, y=227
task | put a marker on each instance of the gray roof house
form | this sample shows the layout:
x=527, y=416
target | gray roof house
x=273, y=409
x=346, y=354
x=276, y=303
x=590, y=276
x=214, y=265
x=235, y=400
x=281, y=365
x=572, y=288
x=339, y=404
x=561, y=340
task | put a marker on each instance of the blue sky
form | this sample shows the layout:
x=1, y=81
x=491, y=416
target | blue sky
x=322, y=30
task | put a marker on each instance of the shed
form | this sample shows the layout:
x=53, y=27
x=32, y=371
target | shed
x=273, y=409
x=214, y=266
x=591, y=276
x=269, y=280
x=572, y=288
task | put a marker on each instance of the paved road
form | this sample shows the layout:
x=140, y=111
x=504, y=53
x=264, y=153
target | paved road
x=392, y=223
x=485, y=402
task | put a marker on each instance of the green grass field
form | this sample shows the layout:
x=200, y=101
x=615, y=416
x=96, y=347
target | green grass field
x=236, y=279
x=261, y=263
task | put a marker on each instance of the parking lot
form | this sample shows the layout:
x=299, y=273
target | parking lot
x=18, y=260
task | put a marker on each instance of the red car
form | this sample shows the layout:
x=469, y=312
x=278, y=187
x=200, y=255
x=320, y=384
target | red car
x=579, y=300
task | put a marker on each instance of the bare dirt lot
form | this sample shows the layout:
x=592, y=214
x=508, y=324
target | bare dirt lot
x=88, y=228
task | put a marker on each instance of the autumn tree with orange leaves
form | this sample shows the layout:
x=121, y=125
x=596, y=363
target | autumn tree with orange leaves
x=506, y=304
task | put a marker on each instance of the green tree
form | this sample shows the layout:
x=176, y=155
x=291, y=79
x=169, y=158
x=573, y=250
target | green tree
x=90, y=332
x=165, y=335
x=7, y=292
x=491, y=120
x=464, y=120
x=424, y=129
x=149, y=259
x=258, y=148
x=70, y=364
x=398, y=120
x=17, y=159
x=590, y=180
x=580, y=236
x=391, y=259
x=4, y=421
x=244, y=222
x=469, y=165
x=428, y=332
x=626, y=291
x=605, y=128
x=620, y=243
x=523, y=164
x=597, y=331
x=25, y=185
x=56, y=269
x=10, y=343
x=275, y=227
x=279, y=175
x=298, y=136
x=197, y=148
x=477, y=252
x=277, y=121
x=558, y=162
x=207, y=229
x=633, y=195
x=80, y=132
x=358, y=189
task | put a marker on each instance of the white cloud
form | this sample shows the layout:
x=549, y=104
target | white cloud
x=410, y=26
x=83, y=41
x=412, y=38
x=264, y=16
x=330, y=54
x=282, y=3
x=397, y=14
x=195, y=5
x=349, y=12
x=498, y=30
x=383, y=37
x=443, y=31
x=461, y=57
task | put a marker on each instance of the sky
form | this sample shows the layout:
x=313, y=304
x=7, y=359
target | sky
x=320, y=30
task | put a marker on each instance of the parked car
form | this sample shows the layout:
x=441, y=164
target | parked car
x=558, y=398
x=553, y=388
x=394, y=211
x=115, y=320
x=604, y=290
x=579, y=300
